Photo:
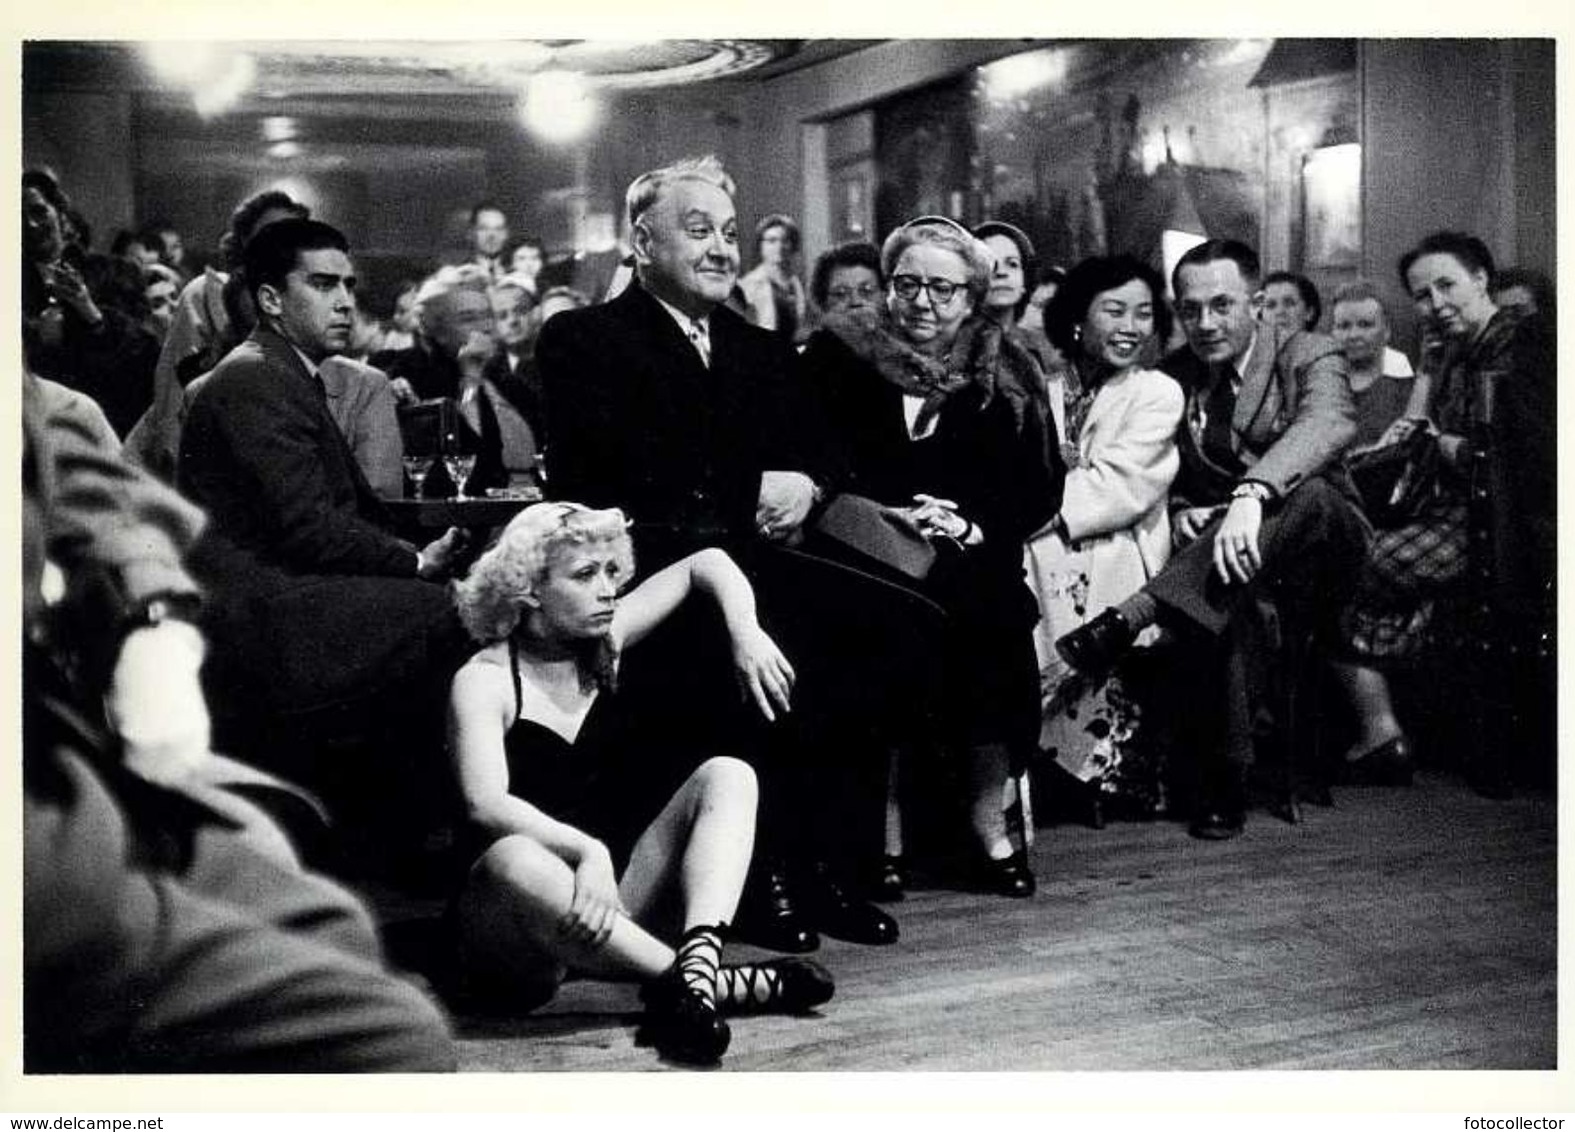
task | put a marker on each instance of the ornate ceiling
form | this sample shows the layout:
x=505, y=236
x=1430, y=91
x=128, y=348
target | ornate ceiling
x=421, y=68
x=393, y=67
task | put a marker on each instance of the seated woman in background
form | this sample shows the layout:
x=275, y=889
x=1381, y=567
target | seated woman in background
x=1290, y=301
x=941, y=417
x=1490, y=392
x=1381, y=377
x=1007, y=299
x=772, y=289
x=1118, y=420
x=1525, y=289
x=400, y=333
x=847, y=278
x=1047, y=280
x=584, y=861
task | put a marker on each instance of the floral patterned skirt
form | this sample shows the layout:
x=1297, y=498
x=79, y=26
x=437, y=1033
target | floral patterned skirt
x=1092, y=730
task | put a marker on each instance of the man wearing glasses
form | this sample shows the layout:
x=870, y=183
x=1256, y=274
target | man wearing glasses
x=1261, y=500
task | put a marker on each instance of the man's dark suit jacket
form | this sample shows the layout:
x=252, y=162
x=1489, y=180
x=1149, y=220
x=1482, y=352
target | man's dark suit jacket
x=318, y=614
x=260, y=451
x=636, y=420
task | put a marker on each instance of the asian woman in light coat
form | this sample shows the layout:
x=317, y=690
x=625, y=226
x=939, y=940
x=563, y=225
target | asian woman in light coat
x=1118, y=419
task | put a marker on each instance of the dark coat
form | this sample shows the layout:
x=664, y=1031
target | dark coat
x=317, y=606
x=997, y=473
x=636, y=420
x=260, y=451
x=430, y=374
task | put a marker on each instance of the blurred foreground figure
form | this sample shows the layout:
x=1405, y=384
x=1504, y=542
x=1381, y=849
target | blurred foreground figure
x=167, y=925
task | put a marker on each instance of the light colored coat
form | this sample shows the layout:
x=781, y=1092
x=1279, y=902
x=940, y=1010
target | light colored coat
x=1128, y=460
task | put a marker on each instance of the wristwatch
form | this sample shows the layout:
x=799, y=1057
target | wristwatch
x=1253, y=489
x=157, y=609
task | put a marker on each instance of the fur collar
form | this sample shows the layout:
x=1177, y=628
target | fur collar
x=982, y=356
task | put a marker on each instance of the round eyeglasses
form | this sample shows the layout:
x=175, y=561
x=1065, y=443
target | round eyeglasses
x=865, y=291
x=940, y=291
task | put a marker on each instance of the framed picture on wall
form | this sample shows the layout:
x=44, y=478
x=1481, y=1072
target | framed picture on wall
x=1332, y=207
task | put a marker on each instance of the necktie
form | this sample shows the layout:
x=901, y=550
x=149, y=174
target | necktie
x=701, y=340
x=1219, y=409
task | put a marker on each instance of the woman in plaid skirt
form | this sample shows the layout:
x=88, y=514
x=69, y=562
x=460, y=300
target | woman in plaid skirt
x=1485, y=368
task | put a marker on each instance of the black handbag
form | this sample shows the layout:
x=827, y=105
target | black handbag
x=1396, y=479
x=877, y=533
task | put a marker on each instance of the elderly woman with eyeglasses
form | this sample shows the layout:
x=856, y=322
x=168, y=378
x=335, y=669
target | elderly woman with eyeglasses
x=586, y=858
x=939, y=415
x=847, y=278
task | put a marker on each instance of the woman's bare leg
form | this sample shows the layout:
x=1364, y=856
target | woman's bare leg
x=510, y=911
x=893, y=809
x=1367, y=691
x=988, y=769
x=706, y=830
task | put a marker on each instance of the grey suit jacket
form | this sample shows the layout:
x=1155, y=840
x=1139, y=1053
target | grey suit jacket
x=1294, y=417
x=261, y=451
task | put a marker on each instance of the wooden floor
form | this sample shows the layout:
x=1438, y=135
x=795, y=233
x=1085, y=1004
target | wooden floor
x=1402, y=929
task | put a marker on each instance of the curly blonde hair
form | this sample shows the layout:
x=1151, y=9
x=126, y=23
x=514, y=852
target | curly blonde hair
x=490, y=598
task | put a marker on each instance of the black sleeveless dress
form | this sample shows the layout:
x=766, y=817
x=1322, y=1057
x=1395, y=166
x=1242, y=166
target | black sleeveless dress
x=593, y=783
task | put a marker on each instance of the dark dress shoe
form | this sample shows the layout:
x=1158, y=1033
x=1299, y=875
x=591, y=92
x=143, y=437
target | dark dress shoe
x=841, y=916
x=1388, y=764
x=1007, y=876
x=769, y=916
x=891, y=881
x=683, y=1026
x=1094, y=648
x=1218, y=824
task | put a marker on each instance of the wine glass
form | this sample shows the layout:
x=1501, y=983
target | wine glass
x=459, y=466
x=417, y=468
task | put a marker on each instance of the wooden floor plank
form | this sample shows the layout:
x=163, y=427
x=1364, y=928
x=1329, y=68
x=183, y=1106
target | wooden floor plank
x=1402, y=929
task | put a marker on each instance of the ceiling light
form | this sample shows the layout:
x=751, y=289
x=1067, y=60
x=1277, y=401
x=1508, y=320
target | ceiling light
x=280, y=129
x=217, y=95
x=558, y=106
x=183, y=63
x=1016, y=75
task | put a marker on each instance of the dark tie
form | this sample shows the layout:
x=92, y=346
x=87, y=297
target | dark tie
x=1219, y=409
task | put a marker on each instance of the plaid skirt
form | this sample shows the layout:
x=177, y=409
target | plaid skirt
x=1407, y=570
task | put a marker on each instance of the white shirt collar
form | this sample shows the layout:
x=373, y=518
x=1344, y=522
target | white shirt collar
x=311, y=366
x=1240, y=362
x=684, y=321
x=690, y=325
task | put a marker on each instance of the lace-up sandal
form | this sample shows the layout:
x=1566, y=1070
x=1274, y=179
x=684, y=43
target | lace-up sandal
x=790, y=985
x=680, y=1005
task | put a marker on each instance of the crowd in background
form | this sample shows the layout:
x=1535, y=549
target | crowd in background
x=938, y=521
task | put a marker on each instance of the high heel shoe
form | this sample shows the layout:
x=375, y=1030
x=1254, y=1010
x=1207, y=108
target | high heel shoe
x=1388, y=764
x=890, y=882
x=1007, y=876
